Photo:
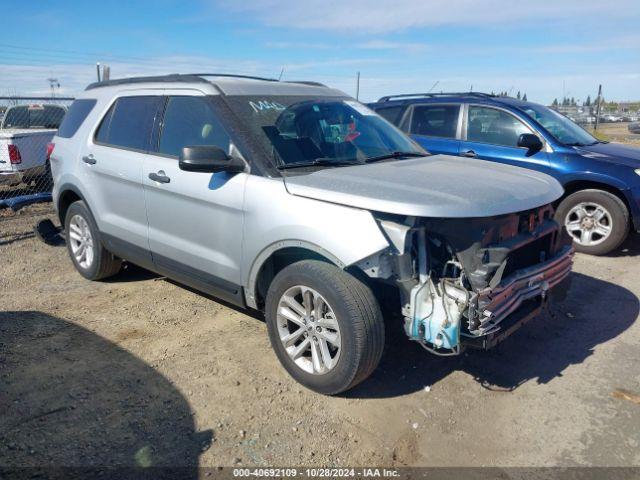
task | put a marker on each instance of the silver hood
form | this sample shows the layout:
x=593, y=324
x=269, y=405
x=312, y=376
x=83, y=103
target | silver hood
x=436, y=186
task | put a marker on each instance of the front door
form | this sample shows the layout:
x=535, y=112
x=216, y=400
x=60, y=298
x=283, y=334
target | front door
x=195, y=219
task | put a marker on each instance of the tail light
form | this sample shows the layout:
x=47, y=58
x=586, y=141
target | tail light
x=14, y=155
x=50, y=147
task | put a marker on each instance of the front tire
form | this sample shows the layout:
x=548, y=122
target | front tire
x=598, y=221
x=325, y=326
x=91, y=259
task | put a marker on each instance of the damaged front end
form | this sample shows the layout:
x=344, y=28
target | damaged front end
x=472, y=281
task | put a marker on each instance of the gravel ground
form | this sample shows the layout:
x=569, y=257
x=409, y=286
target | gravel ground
x=140, y=371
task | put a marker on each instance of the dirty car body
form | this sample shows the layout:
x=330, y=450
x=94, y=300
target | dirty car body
x=319, y=185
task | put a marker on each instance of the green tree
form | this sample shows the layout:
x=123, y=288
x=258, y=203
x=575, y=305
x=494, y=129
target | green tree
x=524, y=97
x=587, y=102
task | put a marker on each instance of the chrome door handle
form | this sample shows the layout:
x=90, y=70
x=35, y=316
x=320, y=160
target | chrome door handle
x=469, y=154
x=89, y=159
x=159, y=177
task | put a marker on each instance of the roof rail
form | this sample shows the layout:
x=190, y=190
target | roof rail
x=172, y=77
x=303, y=82
x=306, y=82
x=233, y=75
x=431, y=95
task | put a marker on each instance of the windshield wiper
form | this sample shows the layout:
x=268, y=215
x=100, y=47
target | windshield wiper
x=394, y=155
x=581, y=144
x=324, y=162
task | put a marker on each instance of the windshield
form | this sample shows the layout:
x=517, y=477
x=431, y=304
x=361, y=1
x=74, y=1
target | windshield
x=563, y=129
x=325, y=131
x=34, y=116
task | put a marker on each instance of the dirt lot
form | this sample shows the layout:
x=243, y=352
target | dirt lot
x=617, y=132
x=138, y=370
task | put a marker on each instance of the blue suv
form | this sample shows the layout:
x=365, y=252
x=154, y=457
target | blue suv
x=601, y=180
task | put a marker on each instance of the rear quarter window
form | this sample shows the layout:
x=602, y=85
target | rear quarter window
x=77, y=113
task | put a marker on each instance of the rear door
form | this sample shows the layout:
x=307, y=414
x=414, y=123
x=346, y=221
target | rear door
x=195, y=218
x=436, y=127
x=491, y=133
x=112, y=163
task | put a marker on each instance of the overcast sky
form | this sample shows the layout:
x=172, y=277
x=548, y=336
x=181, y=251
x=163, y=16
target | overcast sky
x=543, y=48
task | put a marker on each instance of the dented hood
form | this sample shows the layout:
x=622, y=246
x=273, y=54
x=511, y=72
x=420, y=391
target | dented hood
x=434, y=186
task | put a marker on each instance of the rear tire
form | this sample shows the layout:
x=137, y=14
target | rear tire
x=598, y=221
x=91, y=259
x=334, y=313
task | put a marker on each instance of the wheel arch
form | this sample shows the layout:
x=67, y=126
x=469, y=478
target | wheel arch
x=276, y=257
x=577, y=185
x=68, y=194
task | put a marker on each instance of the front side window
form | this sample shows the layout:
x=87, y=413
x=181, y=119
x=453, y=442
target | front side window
x=435, y=120
x=328, y=130
x=188, y=122
x=128, y=122
x=563, y=129
x=489, y=125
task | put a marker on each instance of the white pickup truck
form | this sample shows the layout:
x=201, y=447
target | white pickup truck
x=25, y=132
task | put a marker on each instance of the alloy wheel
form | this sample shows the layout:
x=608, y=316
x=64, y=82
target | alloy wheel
x=81, y=241
x=589, y=223
x=308, y=330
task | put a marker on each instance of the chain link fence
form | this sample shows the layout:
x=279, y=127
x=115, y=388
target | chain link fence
x=27, y=127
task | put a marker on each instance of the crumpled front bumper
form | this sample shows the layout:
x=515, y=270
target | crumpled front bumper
x=518, y=298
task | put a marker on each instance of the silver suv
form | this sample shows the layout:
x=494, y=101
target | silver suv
x=296, y=200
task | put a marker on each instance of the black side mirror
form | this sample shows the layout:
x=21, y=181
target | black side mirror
x=530, y=141
x=209, y=159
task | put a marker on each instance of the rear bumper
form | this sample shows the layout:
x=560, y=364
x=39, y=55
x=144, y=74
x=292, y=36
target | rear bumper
x=519, y=298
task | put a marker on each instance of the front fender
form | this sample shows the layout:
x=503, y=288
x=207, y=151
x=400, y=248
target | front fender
x=275, y=219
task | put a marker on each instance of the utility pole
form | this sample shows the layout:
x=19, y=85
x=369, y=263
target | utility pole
x=598, y=101
x=98, y=70
x=358, y=86
x=53, y=83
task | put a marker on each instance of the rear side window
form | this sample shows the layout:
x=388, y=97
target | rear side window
x=435, y=120
x=190, y=122
x=77, y=113
x=128, y=122
x=391, y=114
